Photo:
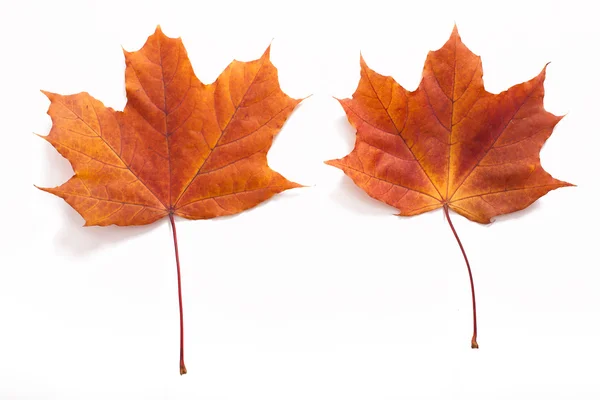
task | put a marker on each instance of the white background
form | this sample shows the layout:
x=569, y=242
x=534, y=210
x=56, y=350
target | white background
x=321, y=292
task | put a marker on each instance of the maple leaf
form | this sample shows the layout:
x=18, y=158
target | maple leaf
x=449, y=144
x=179, y=147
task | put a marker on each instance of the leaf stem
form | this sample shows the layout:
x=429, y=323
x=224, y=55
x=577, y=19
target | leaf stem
x=474, y=344
x=182, y=369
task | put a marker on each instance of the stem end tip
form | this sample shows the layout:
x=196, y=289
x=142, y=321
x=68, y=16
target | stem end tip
x=182, y=369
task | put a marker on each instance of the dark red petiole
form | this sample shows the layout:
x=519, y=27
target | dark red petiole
x=474, y=344
x=182, y=369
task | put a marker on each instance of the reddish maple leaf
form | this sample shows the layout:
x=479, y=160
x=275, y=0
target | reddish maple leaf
x=179, y=147
x=449, y=144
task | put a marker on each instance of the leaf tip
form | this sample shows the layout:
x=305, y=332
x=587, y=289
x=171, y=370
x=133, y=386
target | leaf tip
x=295, y=185
x=45, y=137
x=334, y=163
x=267, y=54
x=292, y=185
x=343, y=103
x=307, y=97
x=43, y=189
x=455, y=29
x=48, y=94
x=158, y=34
x=363, y=63
x=542, y=74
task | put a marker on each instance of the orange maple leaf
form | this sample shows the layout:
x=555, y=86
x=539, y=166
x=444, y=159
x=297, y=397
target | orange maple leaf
x=449, y=144
x=179, y=147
